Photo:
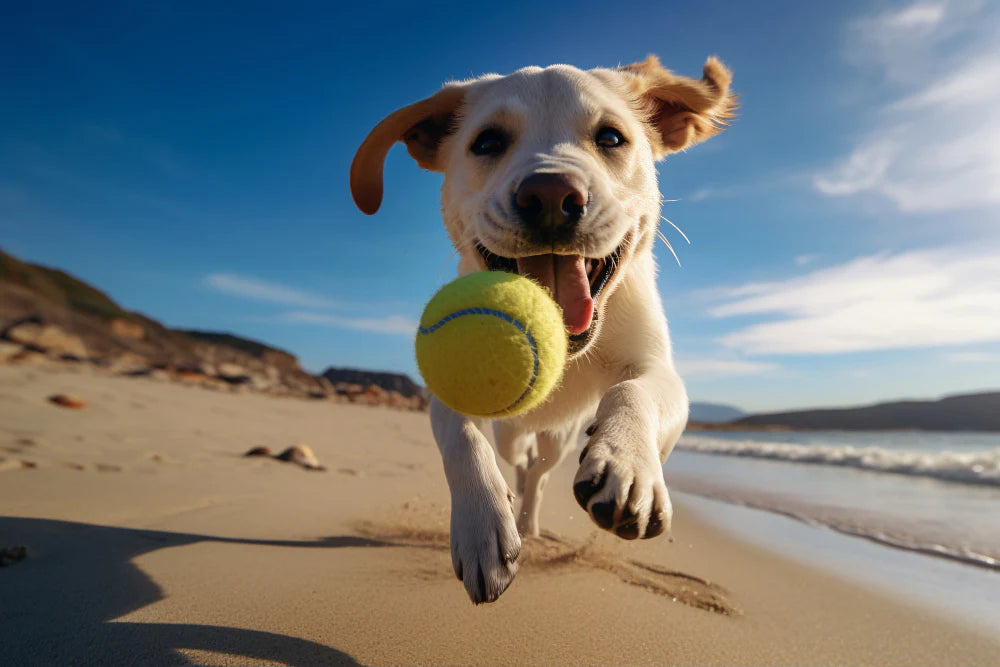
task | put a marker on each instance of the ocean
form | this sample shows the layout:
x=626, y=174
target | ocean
x=926, y=507
x=933, y=493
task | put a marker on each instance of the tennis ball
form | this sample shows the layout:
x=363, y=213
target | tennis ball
x=491, y=344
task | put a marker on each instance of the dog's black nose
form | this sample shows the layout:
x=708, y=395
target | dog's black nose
x=550, y=200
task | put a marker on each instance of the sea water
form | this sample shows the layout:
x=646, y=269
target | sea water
x=933, y=497
x=935, y=493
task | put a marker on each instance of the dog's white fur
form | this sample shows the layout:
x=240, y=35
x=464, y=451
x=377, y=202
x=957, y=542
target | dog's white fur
x=622, y=381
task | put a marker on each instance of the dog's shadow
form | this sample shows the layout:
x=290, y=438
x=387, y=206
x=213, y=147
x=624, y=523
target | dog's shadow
x=57, y=606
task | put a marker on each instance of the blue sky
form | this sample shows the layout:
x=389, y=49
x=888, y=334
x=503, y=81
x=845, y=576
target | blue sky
x=191, y=160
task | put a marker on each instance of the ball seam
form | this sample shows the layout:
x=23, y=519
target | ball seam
x=507, y=318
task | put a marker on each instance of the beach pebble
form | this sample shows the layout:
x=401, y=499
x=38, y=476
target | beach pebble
x=301, y=454
x=11, y=555
x=68, y=401
x=258, y=451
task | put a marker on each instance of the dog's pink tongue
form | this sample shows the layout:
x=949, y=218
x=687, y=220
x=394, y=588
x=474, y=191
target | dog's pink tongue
x=566, y=278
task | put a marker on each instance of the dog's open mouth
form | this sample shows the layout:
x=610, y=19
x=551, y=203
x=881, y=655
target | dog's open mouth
x=574, y=281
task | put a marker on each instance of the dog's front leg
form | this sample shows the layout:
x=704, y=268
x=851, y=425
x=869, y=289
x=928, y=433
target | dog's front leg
x=620, y=479
x=484, y=540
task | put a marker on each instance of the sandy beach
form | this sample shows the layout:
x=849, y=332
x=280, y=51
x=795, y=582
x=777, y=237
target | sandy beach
x=151, y=540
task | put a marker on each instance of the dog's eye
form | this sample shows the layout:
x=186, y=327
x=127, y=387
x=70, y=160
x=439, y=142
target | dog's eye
x=490, y=142
x=609, y=137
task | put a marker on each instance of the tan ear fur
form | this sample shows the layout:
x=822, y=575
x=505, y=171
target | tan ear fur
x=684, y=111
x=421, y=126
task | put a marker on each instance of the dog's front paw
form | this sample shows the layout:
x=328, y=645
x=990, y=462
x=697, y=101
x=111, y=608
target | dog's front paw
x=620, y=484
x=484, y=541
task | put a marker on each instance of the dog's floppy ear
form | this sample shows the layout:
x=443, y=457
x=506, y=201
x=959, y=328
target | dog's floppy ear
x=682, y=111
x=422, y=126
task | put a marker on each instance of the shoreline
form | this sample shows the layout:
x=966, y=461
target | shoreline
x=920, y=578
x=151, y=540
x=975, y=560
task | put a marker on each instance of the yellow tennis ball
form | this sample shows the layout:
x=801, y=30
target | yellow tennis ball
x=491, y=344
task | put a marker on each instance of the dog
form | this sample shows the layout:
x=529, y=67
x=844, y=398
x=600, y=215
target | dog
x=550, y=172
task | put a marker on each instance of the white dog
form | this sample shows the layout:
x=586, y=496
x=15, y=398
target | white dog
x=550, y=172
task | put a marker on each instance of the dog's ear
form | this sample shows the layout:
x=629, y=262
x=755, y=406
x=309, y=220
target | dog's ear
x=422, y=126
x=681, y=110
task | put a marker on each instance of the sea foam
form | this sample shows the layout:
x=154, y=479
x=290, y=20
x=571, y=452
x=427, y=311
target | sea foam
x=982, y=467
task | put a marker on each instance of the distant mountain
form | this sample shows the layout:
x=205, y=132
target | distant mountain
x=397, y=382
x=967, y=412
x=714, y=413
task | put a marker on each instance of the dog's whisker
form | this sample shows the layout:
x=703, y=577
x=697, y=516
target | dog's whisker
x=457, y=250
x=674, y=253
x=670, y=247
x=679, y=230
x=437, y=278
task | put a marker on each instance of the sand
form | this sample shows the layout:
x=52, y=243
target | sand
x=151, y=540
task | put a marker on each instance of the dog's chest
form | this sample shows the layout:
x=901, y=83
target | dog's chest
x=584, y=383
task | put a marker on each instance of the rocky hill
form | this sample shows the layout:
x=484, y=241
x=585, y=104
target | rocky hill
x=397, y=382
x=47, y=315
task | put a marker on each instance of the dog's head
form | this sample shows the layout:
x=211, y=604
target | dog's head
x=550, y=172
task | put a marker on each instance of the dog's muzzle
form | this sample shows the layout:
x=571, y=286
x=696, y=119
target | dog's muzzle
x=549, y=208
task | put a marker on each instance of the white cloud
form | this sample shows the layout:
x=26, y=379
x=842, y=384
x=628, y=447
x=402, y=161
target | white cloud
x=935, y=147
x=903, y=41
x=260, y=290
x=974, y=357
x=720, y=368
x=972, y=85
x=863, y=170
x=726, y=191
x=913, y=299
x=914, y=17
x=707, y=193
x=389, y=324
x=808, y=258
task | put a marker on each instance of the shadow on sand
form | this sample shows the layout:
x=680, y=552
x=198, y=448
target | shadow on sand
x=57, y=606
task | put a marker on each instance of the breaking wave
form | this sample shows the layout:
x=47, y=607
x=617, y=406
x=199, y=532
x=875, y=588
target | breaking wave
x=982, y=467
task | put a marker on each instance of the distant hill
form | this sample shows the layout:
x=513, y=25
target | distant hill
x=49, y=311
x=59, y=287
x=714, y=413
x=967, y=412
x=397, y=382
x=251, y=347
x=48, y=315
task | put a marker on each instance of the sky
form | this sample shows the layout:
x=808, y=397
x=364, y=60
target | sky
x=191, y=160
